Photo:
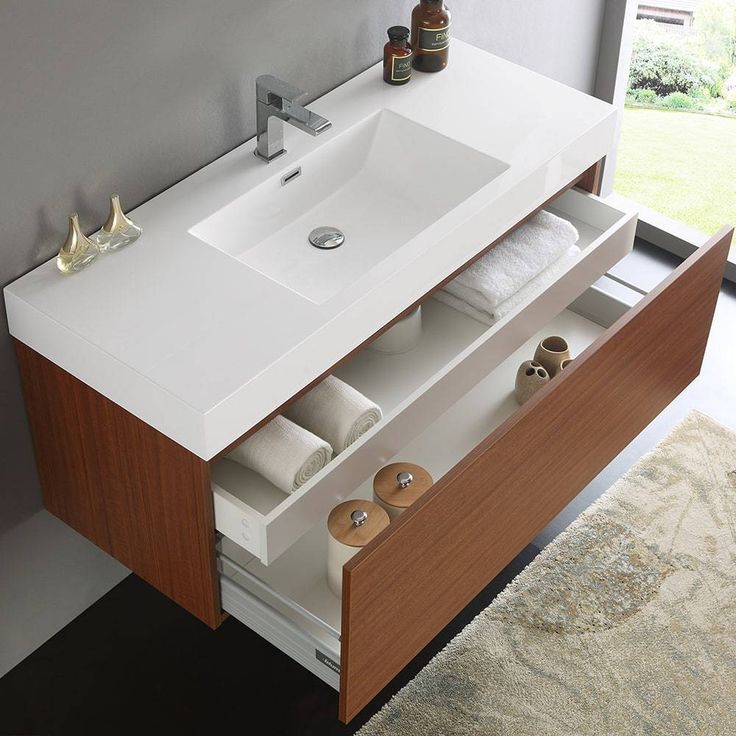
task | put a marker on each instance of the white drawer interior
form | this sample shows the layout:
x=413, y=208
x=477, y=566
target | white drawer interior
x=413, y=389
x=288, y=602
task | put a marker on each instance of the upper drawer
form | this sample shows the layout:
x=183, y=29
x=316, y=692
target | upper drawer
x=420, y=572
x=413, y=389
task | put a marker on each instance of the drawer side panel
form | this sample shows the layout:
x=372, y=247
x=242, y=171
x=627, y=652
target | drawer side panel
x=131, y=490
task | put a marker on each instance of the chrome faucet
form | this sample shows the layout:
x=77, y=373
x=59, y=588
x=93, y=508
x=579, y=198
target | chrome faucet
x=275, y=105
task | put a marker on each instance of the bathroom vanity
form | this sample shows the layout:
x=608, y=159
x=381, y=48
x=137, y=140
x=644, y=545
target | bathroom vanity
x=141, y=372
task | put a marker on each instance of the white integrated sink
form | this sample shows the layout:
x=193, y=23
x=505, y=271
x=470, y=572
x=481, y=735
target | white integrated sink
x=223, y=311
x=380, y=182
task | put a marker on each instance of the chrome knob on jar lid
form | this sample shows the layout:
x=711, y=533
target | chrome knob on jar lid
x=356, y=522
x=404, y=479
x=399, y=485
x=359, y=517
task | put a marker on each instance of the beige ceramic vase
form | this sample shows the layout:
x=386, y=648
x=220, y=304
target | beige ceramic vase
x=551, y=353
x=530, y=377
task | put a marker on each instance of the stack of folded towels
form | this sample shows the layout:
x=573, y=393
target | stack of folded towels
x=520, y=266
x=290, y=449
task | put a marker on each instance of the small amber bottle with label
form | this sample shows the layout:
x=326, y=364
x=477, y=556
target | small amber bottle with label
x=397, y=56
x=430, y=35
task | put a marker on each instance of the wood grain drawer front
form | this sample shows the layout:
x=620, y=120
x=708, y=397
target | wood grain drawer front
x=400, y=591
x=455, y=353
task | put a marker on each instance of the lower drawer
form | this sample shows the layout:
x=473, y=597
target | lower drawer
x=503, y=473
x=288, y=602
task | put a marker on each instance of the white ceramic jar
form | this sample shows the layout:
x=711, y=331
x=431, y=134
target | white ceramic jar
x=402, y=337
x=398, y=486
x=350, y=526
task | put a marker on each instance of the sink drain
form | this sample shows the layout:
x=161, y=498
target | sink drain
x=326, y=238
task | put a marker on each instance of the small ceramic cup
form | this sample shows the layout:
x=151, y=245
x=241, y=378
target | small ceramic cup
x=551, y=352
x=530, y=377
x=402, y=337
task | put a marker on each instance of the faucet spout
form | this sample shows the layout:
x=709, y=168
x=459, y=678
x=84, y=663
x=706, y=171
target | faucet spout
x=276, y=104
x=313, y=124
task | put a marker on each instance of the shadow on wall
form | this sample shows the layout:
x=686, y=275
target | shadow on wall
x=19, y=494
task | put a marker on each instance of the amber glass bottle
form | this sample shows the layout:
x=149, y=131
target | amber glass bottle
x=397, y=56
x=430, y=35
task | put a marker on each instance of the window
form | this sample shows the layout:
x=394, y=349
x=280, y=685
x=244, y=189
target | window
x=677, y=152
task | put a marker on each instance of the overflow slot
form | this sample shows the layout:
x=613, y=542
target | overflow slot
x=286, y=178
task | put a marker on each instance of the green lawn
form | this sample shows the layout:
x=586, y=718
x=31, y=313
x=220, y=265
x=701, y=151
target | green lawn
x=681, y=164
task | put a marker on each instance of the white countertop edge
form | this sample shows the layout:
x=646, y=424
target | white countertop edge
x=106, y=375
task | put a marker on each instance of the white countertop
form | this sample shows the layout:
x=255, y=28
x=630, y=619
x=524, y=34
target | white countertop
x=202, y=347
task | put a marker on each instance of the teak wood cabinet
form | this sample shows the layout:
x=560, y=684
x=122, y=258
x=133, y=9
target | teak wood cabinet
x=148, y=502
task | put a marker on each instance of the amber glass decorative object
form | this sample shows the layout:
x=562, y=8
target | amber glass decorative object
x=397, y=56
x=430, y=35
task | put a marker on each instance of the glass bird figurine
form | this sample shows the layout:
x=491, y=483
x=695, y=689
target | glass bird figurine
x=118, y=231
x=78, y=250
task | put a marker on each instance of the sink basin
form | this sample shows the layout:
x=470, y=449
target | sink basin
x=381, y=183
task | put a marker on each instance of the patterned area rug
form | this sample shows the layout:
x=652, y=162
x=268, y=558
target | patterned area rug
x=625, y=624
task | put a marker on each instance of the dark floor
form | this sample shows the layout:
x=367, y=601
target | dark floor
x=136, y=664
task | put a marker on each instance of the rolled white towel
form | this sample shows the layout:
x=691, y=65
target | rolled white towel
x=284, y=453
x=527, y=292
x=336, y=411
x=515, y=261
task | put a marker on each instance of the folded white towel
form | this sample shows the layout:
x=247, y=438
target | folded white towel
x=527, y=292
x=515, y=261
x=539, y=283
x=335, y=411
x=283, y=453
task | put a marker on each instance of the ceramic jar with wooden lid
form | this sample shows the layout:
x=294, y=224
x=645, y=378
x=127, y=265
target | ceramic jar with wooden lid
x=402, y=337
x=399, y=485
x=350, y=526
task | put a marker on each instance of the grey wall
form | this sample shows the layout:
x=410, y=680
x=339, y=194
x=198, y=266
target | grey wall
x=130, y=96
x=558, y=38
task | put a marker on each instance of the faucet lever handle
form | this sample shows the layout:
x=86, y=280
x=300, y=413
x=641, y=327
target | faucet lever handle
x=268, y=87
